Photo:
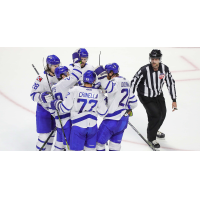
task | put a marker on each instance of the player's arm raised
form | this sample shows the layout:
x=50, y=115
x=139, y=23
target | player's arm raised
x=74, y=76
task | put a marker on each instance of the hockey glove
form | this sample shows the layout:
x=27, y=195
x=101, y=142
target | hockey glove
x=55, y=104
x=129, y=113
x=100, y=72
x=46, y=97
x=76, y=57
x=97, y=86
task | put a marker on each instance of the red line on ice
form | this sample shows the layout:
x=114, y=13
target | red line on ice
x=189, y=70
x=190, y=62
x=16, y=103
x=34, y=114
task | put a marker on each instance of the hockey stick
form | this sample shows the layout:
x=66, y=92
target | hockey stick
x=48, y=138
x=99, y=66
x=99, y=58
x=150, y=145
x=35, y=69
x=56, y=109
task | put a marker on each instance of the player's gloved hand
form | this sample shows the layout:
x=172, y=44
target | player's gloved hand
x=55, y=104
x=100, y=72
x=129, y=113
x=76, y=56
x=46, y=97
x=97, y=86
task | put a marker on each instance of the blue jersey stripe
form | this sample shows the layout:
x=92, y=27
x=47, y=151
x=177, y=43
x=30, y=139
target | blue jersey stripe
x=104, y=113
x=107, y=85
x=102, y=77
x=58, y=148
x=84, y=118
x=41, y=141
x=75, y=76
x=61, y=108
x=77, y=70
x=65, y=107
x=33, y=95
x=39, y=148
x=63, y=116
x=115, y=113
x=112, y=88
x=132, y=101
x=132, y=97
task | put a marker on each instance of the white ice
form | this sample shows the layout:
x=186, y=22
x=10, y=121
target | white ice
x=17, y=119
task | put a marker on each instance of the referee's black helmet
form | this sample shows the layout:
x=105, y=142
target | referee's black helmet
x=155, y=53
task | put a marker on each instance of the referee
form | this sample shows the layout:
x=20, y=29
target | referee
x=149, y=81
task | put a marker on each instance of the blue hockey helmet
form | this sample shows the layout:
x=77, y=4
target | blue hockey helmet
x=112, y=67
x=89, y=77
x=83, y=53
x=53, y=60
x=61, y=70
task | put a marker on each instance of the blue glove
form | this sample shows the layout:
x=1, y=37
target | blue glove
x=97, y=86
x=100, y=72
x=76, y=56
x=55, y=104
x=45, y=97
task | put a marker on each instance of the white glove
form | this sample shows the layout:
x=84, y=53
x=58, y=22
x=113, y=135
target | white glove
x=49, y=98
x=46, y=97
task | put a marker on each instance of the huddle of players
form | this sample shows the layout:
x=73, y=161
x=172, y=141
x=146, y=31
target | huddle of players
x=79, y=97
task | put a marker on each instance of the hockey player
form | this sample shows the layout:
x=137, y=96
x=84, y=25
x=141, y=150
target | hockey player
x=85, y=103
x=45, y=123
x=120, y=105
x=84, y=65
x=60, y=91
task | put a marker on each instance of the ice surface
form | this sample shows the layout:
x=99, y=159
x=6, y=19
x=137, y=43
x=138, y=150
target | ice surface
x=17, y=125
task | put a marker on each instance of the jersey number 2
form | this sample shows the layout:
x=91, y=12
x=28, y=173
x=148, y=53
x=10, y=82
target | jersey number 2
x=126, y=95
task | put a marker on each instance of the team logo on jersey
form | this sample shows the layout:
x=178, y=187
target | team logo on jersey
x=39, y=78
x=162, y=76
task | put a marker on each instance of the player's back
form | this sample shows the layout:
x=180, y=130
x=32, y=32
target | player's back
x=84, y=69
x=118, y=98
x=60, y=91
x=87, y=104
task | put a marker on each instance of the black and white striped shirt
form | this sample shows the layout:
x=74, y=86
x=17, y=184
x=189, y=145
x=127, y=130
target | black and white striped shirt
x=149, y=83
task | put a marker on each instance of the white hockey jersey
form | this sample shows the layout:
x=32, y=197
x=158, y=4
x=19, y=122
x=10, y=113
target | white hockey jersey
x=119, y=97
x=84, y=104
x=41, y=85
x=61, y=89
x=84, y=69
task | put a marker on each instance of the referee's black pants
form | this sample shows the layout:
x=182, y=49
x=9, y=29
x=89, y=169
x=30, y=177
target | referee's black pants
x=156, y=112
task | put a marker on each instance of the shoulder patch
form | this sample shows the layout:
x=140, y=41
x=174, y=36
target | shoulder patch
x=39, y=78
